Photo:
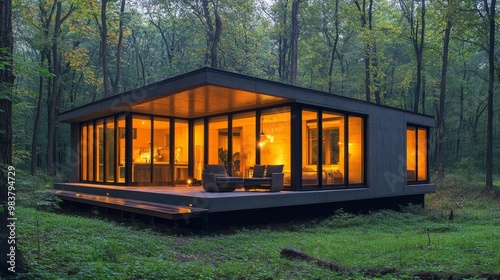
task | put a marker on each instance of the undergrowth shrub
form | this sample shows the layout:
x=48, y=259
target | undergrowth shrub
x=37, y=192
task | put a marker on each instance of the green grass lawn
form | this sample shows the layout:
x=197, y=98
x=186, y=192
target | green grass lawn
x=62, y=246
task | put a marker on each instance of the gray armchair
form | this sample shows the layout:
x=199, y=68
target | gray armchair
x=216, y=179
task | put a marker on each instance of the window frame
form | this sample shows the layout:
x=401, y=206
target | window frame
x=418, y=128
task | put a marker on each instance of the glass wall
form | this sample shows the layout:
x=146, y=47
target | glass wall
x=110, y=160
x=181, y=151
x=141, y=149
x=199, y=148
x=91, y=151
x=100, y=151
x=244, y=144
x=333, y=153
x=161, y=151
x=422, y=154
x=356, y=150
x=416, y=154
x=274, y=142
x=310, y=147
x=218, y=141
x=84, y=151
x=331, y=149
x=122, y=163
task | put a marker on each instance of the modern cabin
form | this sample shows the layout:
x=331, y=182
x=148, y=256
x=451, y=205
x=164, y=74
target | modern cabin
x=163, y=134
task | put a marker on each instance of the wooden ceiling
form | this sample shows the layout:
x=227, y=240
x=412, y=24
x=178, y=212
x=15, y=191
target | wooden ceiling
x=206, y=100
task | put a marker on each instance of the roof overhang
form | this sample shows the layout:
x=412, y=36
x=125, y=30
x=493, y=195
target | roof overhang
x=196, y=94
x=209, y=92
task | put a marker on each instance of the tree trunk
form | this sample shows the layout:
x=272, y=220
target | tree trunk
x=442, y=98
x=461, y=114
x=45, y=20
x=116, y=81
x=38, y=117
x=104, y=48
x=367, y=51
x=218, y=32
x=295, y=42
x=491, y=81
x=376, y=76
x=55, y=92
x=423, y=92
x=417, y=34
x=334, y=49
x=7, y=246
x=284, y=48
x=419, y=49
x=138, y=60
x=213, y=32
x=164, y=39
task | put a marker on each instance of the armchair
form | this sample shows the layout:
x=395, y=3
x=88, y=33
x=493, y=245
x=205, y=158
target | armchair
x=216, y=179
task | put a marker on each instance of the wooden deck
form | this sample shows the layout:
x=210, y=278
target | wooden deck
x=161, y=210
x=186, y=202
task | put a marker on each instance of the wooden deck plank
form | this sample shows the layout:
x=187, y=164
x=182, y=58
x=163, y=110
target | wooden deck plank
x=167, y=211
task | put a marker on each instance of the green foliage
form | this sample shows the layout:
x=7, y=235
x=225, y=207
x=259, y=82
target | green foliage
x=414, y=239
x=36, y=192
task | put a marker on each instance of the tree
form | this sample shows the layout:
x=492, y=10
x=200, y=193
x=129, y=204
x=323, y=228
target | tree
x=295, y=42
x=442, y=95
x=6, y=84
x=282, y=34
x=415, y=15
x=45, y=21
x=58, y=69
x=490, y=16
x=104, y=49
x=365, y=15
x=213, y=32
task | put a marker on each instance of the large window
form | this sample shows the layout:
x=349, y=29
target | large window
x=102, y=149
x=274, y=142
x=332, y=149
x=218, y=141
x=355, y=150
x=244, y=144
x=181, y=151
x=151, y=148
x=311, y=149
x=141, y=149
x=416, y=154
x=199, y=148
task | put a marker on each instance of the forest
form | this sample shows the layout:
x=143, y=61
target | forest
x=438, y=58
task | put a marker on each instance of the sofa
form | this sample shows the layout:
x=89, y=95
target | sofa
x=329, y=176
x=268, y=177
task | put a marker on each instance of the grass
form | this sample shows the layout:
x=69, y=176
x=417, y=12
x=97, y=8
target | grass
x=62, y=246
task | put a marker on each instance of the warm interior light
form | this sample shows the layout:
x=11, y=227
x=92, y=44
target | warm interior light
x=189, y=182
x=262, y=134
x=271, y=137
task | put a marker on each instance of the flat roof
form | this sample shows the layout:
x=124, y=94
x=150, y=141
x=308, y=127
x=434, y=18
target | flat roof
x=208, y=91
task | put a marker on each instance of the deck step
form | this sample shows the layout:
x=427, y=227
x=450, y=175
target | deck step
x=166, y=211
